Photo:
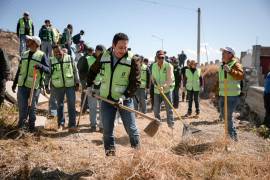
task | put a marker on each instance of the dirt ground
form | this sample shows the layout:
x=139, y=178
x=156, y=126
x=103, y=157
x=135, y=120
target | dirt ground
x=167, y=155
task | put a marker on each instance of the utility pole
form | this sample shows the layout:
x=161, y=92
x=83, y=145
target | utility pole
x=199, y=36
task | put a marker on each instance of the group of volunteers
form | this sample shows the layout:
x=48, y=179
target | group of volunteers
x=115, y=74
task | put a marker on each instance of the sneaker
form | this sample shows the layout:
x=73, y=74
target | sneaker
x=110, y=152
x=73, y=130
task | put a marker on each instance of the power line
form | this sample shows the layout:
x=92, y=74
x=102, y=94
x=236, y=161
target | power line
x=168, y=5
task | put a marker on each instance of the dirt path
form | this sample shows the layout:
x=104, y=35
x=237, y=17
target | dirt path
x=165, y=156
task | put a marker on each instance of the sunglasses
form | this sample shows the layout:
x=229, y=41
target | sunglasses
x=161, y=57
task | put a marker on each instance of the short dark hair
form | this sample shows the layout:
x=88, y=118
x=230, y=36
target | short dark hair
x=118, y=37
x=56, y=46
x=47, y=20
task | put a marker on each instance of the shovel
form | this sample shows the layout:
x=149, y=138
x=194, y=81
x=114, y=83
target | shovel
x=152, y=127
x=30, y=99
x=186, y=128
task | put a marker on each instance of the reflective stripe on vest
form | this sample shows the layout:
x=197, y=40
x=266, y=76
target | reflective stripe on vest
x=143, y=76
x=27, y=69
x=62, y=72
x=160, y=75
x=193, y=80
x=114, y=81
x=90, y=61
x=233, y=86
x=22, y=26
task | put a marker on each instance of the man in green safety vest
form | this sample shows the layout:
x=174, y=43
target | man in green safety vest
x=64, y=81
x=162, y=74
x=193, y=83
x=92, y=102
x=233, y=70
x=24, y=78
x=140, y=96
x=47, y=38
x=120, y=78
x=25, y=27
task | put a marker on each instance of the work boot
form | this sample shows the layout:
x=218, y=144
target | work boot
x=93, y=129
x=110, y=152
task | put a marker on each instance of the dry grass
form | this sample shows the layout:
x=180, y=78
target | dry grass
x=199, y=156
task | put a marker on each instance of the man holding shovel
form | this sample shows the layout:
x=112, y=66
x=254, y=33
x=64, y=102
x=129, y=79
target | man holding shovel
x=120, y=78
x=32, y=60
x=163, y=77
x=230, y=75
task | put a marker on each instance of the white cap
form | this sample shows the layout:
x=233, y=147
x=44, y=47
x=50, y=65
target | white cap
x=228, y=49
x=34, y=38
x=26, y=13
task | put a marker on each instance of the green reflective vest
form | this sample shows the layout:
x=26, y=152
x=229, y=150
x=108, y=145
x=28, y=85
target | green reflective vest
x=143, y=76
x=27, y=69
x=62, y=74
x=233, y=86
x=193, y=80
x=160, y=75
x=114, y=81
x=90, y=61
x=22, y=26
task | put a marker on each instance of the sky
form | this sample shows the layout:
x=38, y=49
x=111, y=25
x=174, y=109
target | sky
x=239, y=24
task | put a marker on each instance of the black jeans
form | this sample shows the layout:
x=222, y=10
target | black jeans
x=2, y=90
x=176, y=97
x=193, y=95
x=266, y=98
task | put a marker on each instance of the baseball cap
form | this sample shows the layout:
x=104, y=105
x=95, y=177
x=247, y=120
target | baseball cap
x=35, y=39
x=228, y=49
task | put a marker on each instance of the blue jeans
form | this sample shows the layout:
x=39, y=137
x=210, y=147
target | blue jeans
x=92, y=103
x=22, y=96
x=141, y=97
x=71, y=99
x=108, y=113
x=157, y=102
x=232, y=103
x=52, y=105
x=22, y=43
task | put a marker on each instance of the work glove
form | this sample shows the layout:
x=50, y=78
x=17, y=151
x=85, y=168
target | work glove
x=227, y=68
x=14, y=88
x=47, y=90
x=77, y=87
x=122, y=99
x=201, y=89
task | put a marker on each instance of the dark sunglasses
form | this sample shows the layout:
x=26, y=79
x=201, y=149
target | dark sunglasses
x=161, y=57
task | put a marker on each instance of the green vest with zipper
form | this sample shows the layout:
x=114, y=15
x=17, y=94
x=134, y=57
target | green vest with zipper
x=143, y=76
x=22, y=26
x=27, y=69
x=233, y=86
x=62, y=74
x=160, y=75
x=114, y=82
x=193, y=80
x=90, y=61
